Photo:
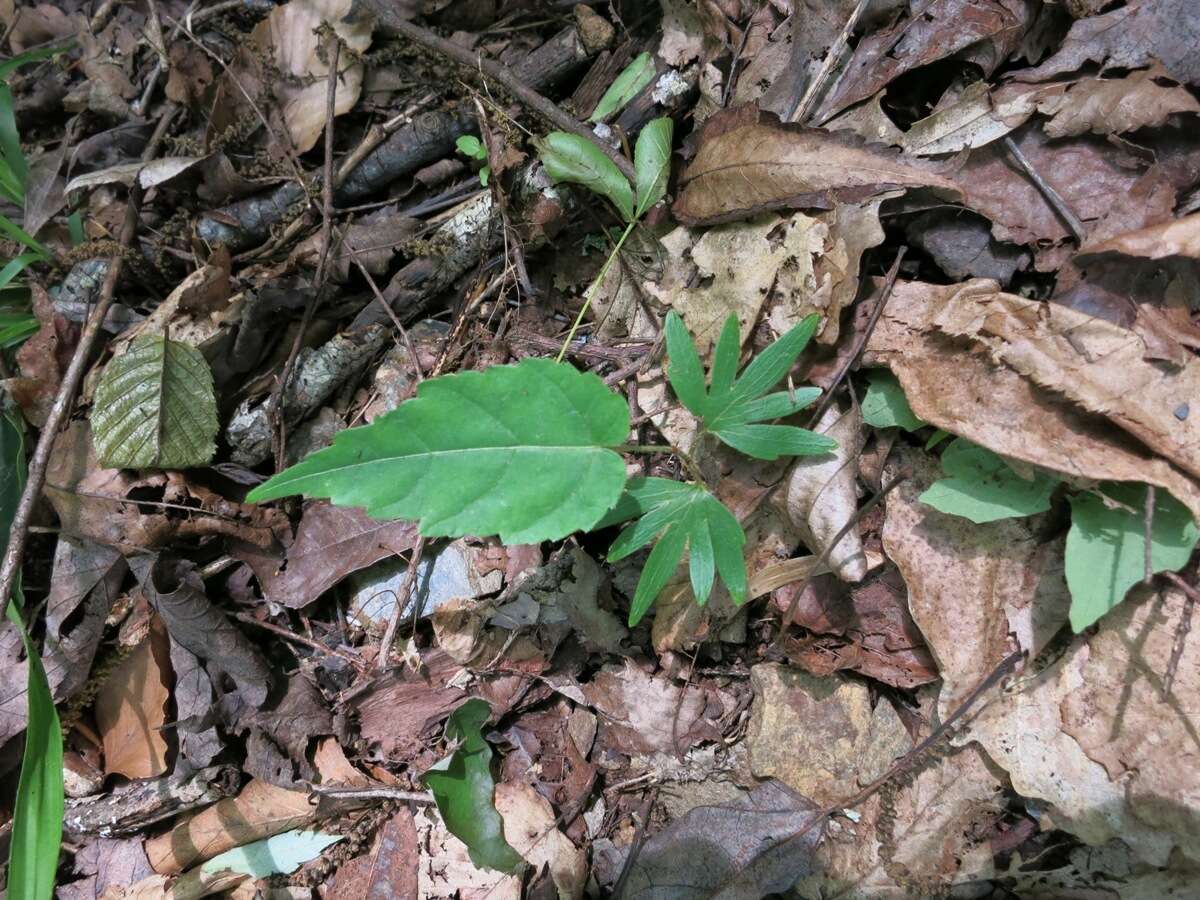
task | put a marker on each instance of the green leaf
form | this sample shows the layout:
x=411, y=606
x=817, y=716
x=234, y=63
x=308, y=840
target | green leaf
x=980, y=486
x=625, y=87
x=38, y=812
x=471, y=146
x=464, y=790
x=18, y=234
x=1106, y=546
x=652, y=162
x=15, y=327
x=281, y=854
x=730, y=406
x=520, y=451
x=684, y=518
x=569, y=157
x=155, y=408
x=484, y=174
x=885, y=405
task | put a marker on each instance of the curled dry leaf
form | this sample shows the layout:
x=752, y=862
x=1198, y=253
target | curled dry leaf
x=748, y=162
x=997, y=406
x=822, y=494
x=259, y=811
x=1180, y=237
x=1115, y=105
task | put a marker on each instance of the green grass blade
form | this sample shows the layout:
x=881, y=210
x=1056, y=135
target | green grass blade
x=16, y=266
x=10, y=138
x=18, y=234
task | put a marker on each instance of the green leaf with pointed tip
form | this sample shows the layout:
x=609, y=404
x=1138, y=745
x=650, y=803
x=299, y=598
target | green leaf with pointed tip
x=885, y=405
x=652, y=162
x=569, y=157
x=464, y=790
x=731, y=406
x=980, y=486
x=684, y=518
x=1105, y=554
x=155, y=408
x=521, y=451
x=38, y=811
x=625, y=87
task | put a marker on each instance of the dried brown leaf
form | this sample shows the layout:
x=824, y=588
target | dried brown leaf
x=131, y=709
x=1180, y=237
x=530, y=829
x=388, y=870
x=1115, y=105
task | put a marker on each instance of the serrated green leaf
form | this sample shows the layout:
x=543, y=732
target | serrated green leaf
x=471, y=146
x=980, y=486
x=731, y=406
x=521, y=451
x=155, y=408
x=1105, y=554
x=684, y=518
x=280, y=854
x=652, y=162
x=885, y=405
x=625, y=87
x=464, y=790
x=569, y=157
x=38, y=811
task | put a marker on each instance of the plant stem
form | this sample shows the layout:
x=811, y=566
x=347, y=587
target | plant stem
x=685, y=458
x=592, y=291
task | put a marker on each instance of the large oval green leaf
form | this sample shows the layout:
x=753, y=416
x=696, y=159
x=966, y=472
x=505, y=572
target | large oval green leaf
x=520, y=451
x=155, y=408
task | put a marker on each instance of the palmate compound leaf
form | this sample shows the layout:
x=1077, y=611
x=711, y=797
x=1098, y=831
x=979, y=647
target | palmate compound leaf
x=521, y=451
x=732, y=404
x=684, y=517
x=980, y=486
x=1106, y=546
x=154, y=407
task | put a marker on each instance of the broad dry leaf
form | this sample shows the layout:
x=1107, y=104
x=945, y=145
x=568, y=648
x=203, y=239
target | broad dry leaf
x=977, y=117
x=446, y=871
x=1180, y=237
x=749, y=162
x=972, y=589
x=530, y=828
x=259, y=811
x=820, y=736
x=994, y=405
x=131, y=709
x=822, y=494
x=388, y=869
x=289, y=34
x=1115, y=105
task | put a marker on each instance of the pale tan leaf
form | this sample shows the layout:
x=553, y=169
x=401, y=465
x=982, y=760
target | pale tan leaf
x=529, y=826
x=1178, y=238
x=1115, y=105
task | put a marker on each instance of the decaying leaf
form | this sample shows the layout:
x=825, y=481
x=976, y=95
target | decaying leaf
x=530, y=827
x=131, y=709
x=1115, y=105
x=1180, y=237
x=749, y=163
x=389, y=868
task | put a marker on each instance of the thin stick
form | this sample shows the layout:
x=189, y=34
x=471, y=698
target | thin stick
x=1147, y=534
x=373, y=793
x=861, y=341
x=832, y=58
x=1181, y=630
x=65, y=399
x=639, y=838
x=504, y=75
x=301, y=640
x=402, y=595
x=387, y=308
x=595, y=286
x=821, y=560
x=1053, y=197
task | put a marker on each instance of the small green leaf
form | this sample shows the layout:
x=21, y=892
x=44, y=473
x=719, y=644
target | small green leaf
x=521, y=451
x=155, y=408
x=281, y=854
x=38, y=811
x=980, y=486
x=730, y=407
x=569, y=157
x=464, y=790
x=15, y=327
x=885, y=405
x=684, y=517
x=652, y=162
x=470, y=146
x=1106, y=546
x=625, y=87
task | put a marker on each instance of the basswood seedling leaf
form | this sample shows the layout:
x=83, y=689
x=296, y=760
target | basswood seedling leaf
x=684, y=518
x=520, y=451
x=731, y=406
x=625, y=87
x=155, y=408
x=38, y=811
x=980, y=486
x=569, y=157
x=885, y=405
x=652, y=162
x=464, y=790
x=1106, y=546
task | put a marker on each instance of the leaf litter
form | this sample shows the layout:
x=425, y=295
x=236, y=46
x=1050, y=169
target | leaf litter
x=920, y=630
